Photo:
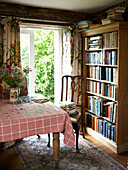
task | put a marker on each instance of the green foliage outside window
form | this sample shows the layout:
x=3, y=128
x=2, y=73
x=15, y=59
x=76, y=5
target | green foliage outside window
x=44, y=62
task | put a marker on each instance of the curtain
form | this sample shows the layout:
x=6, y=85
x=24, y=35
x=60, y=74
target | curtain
x=65, y=65
x=10, y=41
x=76, y=57
x=76, y=52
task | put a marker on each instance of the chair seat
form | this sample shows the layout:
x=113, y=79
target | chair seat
x=75, y=118
x=67, y=107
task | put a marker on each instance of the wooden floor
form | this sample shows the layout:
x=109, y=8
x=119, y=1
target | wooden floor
x=10, y=161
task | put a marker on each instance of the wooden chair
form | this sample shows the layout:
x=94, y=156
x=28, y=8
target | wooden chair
x=72, y=98
x=72, y=94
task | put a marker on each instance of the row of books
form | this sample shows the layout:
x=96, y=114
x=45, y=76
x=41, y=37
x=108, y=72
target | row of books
x=102, y=107
x=101, y=126
x=95, y=42
x=102, y=73
x=94, y=57
x=109, y=58
x=103, y=89
x=110, y=40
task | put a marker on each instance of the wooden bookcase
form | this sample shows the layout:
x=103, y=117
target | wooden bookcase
x=120, y=29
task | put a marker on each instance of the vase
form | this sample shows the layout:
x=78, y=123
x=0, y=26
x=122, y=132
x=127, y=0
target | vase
x=13, y=94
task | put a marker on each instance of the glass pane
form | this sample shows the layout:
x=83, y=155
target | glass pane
x=25, y=52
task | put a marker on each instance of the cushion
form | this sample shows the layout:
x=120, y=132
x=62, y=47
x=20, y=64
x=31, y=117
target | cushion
x=74, y=111
x=66, y=104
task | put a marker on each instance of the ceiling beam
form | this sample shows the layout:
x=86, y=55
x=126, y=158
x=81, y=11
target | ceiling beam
x=42, y=14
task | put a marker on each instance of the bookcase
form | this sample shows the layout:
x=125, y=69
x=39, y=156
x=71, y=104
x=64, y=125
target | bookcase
x=105, y=68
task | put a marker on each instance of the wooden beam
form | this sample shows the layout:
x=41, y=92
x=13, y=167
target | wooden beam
x=44, y=14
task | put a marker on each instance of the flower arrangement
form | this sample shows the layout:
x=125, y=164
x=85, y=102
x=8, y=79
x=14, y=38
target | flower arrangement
x=14, y=77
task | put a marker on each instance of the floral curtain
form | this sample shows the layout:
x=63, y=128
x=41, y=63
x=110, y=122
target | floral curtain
x=76, y=51
x=76, y=56
x=10, y=41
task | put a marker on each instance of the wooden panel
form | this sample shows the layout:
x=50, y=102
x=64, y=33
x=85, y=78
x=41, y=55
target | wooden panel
x=15, y=10
x=123, y=88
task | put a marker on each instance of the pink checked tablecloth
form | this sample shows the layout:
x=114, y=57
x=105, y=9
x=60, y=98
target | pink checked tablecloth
x=22, y=120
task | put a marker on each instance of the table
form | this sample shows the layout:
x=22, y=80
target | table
x=27, y=119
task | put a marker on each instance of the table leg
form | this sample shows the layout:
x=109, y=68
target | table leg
x=56, y=148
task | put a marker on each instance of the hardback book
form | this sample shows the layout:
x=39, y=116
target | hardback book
x=114, y=113
x=106, y=21
x=115, y=74
x=84, y=22
x=115, y=17
x=106, y=130
x=116, y=10
x=94, y=26
x=109, y=130
x=113, y=133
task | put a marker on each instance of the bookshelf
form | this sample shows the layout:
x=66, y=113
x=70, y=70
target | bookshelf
x=105, y=68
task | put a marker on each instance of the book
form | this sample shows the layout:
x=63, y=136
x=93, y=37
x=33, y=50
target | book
x=84, y=22
x=101, y=126
x=96, y=38
x=106, y=21
x=115, y=75
x=109, y=130
x=115, y=17
x=116, y=10
x=104, y=128
x=94, y=26
x=83, y=28
x=83, y=25
x=113, y=133
x=114, y=113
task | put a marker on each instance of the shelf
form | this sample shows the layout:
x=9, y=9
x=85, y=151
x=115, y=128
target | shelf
x=112, y=145
x=101, y=49
x=114, y=48
x=99, y=95
x=103, y=81
x=105, y=118
x=103, y=65
x=91, y=50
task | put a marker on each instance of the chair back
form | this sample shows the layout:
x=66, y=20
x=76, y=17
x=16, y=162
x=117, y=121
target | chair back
x=72, y=89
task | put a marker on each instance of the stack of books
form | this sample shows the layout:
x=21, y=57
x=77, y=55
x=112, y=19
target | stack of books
x=95, y=42
x=83, y=25
x=115, y=14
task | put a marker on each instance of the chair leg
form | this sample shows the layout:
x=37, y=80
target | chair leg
x=77, y=137
x=38, y=136
x=48, y=145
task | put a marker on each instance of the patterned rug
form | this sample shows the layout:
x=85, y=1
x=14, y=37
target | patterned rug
x=35, y=154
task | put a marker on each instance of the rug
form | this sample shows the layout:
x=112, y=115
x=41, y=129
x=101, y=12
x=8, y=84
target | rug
x=35, y=155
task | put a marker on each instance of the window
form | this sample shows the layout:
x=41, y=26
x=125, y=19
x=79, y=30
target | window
x=27, y=57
